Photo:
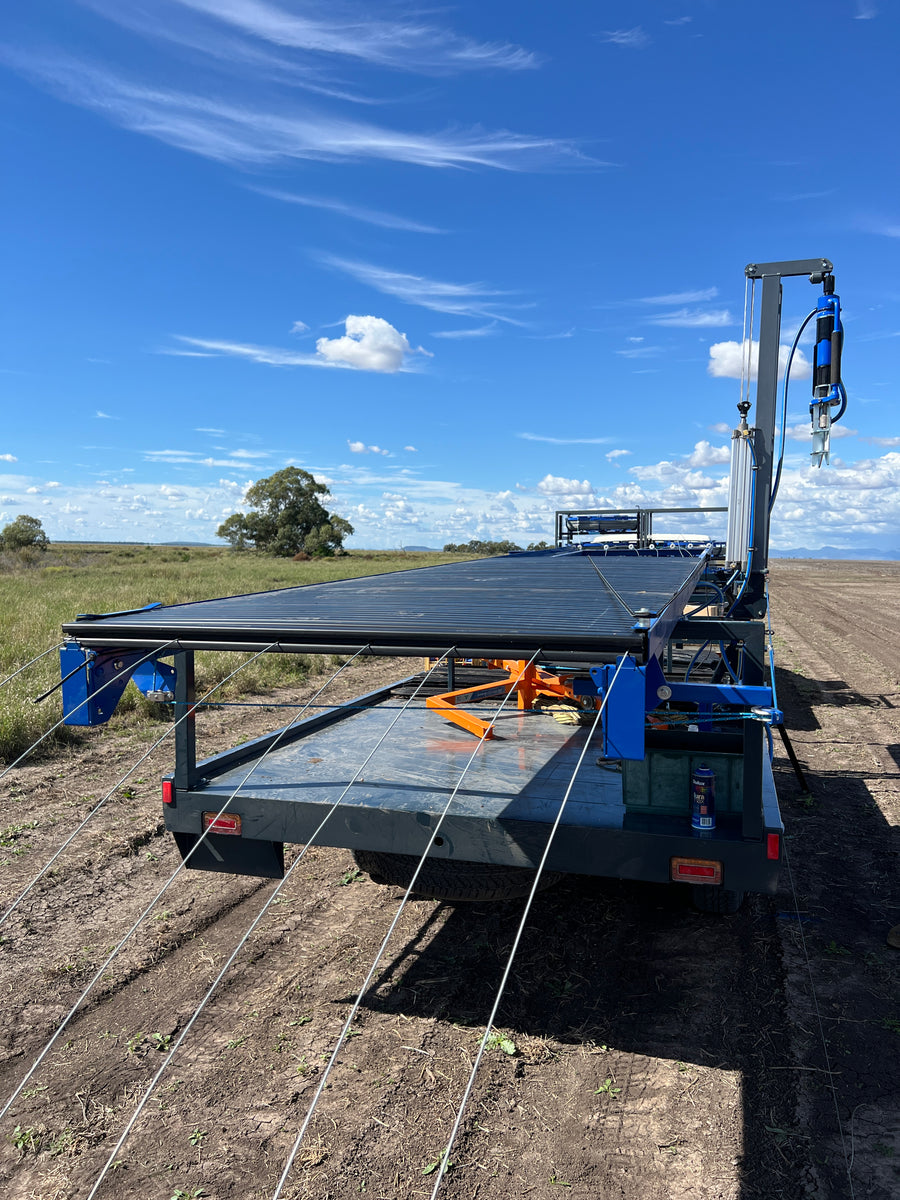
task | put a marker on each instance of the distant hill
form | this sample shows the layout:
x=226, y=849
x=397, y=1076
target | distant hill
x=838, y=552
x=423, y=549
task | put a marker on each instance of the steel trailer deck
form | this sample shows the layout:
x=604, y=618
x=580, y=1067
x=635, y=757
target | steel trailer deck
x=502, y=813
x=568, y=605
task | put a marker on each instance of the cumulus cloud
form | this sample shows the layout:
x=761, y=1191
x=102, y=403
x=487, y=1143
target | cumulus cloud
x=725, y=360
x=705, y=455
x=370, y=344
x=611, y=454
x=411, y=449
x=8, y=458
x=553, y=485
x=362, y=448
x=801, y=433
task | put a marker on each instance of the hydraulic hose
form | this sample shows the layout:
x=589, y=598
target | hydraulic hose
x=784, y=393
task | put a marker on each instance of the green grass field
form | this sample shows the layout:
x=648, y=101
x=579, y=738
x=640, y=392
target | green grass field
x=38, y=591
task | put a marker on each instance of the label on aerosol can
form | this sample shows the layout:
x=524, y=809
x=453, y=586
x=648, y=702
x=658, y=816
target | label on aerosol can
x=703, y=798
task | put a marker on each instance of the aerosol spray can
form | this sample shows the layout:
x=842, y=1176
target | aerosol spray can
x=703, y=799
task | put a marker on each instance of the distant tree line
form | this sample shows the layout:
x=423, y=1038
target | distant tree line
x=479, y=547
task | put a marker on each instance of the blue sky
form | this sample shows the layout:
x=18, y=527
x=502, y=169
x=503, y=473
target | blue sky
x=466, y=264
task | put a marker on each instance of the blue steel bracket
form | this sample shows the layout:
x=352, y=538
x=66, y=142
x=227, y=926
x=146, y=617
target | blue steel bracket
x=93, y=682
x=623, y=717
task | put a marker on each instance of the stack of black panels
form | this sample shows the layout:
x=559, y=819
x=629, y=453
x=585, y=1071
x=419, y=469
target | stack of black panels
x=565, y=605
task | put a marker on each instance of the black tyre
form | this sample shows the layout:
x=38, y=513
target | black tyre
x=716, y=899
x=451, y=879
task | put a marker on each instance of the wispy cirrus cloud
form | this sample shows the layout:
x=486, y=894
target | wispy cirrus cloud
x=348, y=31
x=695, y=297
x=634, y=38
x=686, y=318
x=480, y=331
x=558, y=441
x=257, y=133
x=369, y=216
x=461, y=299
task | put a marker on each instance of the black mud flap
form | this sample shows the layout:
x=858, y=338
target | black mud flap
x=234, y=855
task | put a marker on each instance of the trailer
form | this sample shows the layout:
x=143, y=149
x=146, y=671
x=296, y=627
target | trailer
x=459, y=779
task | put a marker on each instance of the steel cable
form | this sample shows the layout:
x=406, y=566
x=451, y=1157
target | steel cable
x=243, y=941
x=117, y=948
x=31, y=662
x=387, y=937
x=47, y=865
x=445, y=1157
x=129, y=670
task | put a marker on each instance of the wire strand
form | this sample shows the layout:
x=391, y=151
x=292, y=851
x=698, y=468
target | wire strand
x=118, y=947
x=47, y=865
x=30, y=663
x=445, y=1158
x=127, y=671
x=387, y=937
x=243, y=941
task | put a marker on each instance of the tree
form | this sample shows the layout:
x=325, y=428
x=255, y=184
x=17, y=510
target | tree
x=286, y=517
x=24, y=531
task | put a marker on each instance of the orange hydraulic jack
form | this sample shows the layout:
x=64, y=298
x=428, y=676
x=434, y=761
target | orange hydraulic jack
x=527, y=680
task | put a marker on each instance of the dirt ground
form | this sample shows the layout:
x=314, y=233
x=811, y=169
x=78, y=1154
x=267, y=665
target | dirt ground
x=660, y=1054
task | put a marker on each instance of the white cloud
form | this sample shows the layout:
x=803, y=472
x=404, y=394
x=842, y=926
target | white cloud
x=884, y=441
x=696, y=297
x=634, y=38
x=369, y=216
x=558, y=441
x=705, y=455
x=104, y=416
x=411, y=449
x=299, y=327
x=462, y=299
x=725, y=360
x=33, y=491
x=250, y=132
x=362, y=448
x=802, y=433
x=53, y=483
x=552, y=485
x=248, y=453
x=640, y=351
x=612, y=454
x=481, y=331
x=686, y=318
x=8, y=458
x=370, y=344
x=720, y=427
x=216, y=432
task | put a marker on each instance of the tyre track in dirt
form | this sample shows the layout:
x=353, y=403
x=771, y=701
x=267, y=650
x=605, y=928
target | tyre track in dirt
x=839, y=688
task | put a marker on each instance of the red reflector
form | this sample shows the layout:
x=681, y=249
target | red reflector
x=168, y=792
x=696, y=870
x=224, y=823
x=772, y=845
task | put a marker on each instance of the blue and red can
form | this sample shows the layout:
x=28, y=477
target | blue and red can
x=703, y=798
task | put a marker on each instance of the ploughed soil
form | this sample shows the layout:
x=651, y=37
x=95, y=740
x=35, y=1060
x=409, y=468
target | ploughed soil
x=647, y=1051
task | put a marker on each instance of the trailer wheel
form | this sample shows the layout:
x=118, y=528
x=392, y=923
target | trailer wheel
x=716, y=899
x=452, y=879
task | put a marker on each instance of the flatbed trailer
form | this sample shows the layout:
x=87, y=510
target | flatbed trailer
x=611, y=624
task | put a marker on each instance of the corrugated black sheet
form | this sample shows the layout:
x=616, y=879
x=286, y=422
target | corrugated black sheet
x=498, y=607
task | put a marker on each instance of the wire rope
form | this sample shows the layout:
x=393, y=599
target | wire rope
x=445, y=1157
x=387, y=937
x=127, y=671
x=245, y=937
x=47, y=865
x=744, y=337
x=30, y=663
x=181, y=866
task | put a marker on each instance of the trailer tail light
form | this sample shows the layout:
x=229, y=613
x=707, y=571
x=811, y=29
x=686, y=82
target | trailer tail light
x=222, y=823
x=168, y=792
x=696, y=870
x=773, y=848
